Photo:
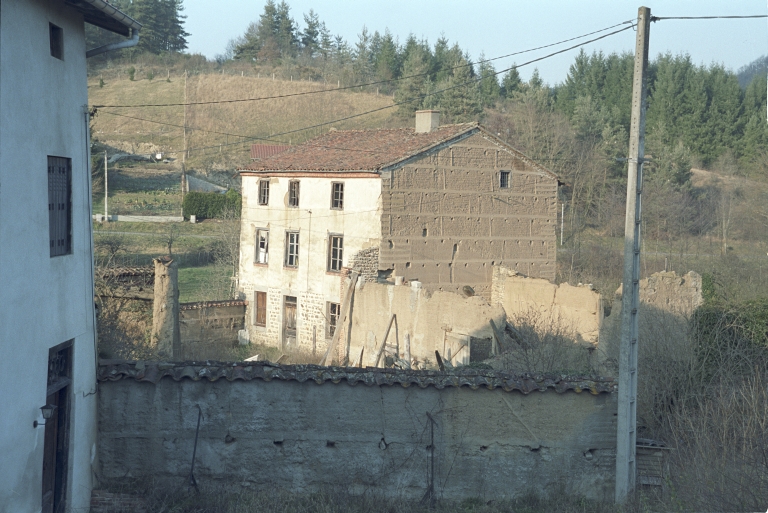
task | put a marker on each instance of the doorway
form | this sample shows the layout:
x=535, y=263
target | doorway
x=289, y=322
x=56, y=444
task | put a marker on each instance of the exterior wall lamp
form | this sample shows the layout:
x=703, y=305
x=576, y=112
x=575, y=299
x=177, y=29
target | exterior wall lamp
x=47, y=414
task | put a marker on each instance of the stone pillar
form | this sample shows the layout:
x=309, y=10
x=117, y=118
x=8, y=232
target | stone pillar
x=166, y=335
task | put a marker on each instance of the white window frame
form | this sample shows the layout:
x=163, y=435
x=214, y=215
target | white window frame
x=335, y=252
x=291, y=249
x=262, y=246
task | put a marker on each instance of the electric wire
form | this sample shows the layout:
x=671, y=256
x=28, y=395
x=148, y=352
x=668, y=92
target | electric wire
x=273, y=137
x=379, y=82
x=661, y=18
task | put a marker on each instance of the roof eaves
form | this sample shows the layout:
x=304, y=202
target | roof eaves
x=105, y=15
x=435, y=146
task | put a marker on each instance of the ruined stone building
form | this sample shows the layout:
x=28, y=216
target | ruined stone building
x=439, y=205
x=47, y=321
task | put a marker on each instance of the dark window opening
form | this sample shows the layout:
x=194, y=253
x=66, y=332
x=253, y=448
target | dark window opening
x=504, y=179
x=60, y=205
x=291, y=249
x=335, y=252
x=260, y=311
x=337, y=197
x=293, y=193
x=334, y=310
x=57, y=41
x=263, y=192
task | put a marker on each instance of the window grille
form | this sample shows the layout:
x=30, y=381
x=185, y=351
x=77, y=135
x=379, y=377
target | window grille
x=337, y=196
x=292, y=249
x=335, y=252
x=60, y=205
x=263, y=192
x=293, y=193
x=260, y=311
x=332, y=318
x=504, y=179
x=262, y=246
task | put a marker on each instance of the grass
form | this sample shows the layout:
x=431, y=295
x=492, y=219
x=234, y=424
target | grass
x=195, y=283
x=250, y=119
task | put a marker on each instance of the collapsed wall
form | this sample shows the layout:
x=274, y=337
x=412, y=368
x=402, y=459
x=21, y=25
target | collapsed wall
x=486, y=434
x=457, y=326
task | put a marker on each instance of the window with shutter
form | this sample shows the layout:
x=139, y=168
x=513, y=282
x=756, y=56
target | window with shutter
x=60, y=205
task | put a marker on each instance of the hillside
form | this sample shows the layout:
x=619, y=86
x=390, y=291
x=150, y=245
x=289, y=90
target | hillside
x=214, y=130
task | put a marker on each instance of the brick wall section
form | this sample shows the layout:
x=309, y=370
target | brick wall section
x=500, y=274
x=446, y=222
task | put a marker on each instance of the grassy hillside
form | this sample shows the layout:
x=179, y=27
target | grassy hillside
x=217, y=151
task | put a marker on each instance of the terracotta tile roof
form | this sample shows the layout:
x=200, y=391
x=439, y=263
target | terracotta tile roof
x=358, y=150
x=262, y=151
x=153, y=372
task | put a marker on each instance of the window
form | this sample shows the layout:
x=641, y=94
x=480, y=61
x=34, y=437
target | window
x=263, y=192
x=332, y=318
x=504, y=179
x=337, y=196
x=291, y=249
x=262, y=246
x=335, y=252
x=60, y=205
x=57, y=41
x=260, y=309
x=293, y=193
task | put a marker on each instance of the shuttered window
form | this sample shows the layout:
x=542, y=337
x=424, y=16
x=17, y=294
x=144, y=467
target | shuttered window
x=261, y=309
x=60, y=205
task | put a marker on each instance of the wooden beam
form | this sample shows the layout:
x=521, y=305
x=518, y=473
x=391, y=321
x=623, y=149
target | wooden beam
x=328, y=356
x=498, y=335
x=383, y=342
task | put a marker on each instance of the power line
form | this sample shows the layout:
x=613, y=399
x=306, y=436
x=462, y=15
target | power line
x=659, y=18
x=379, y=82
x=273, y=137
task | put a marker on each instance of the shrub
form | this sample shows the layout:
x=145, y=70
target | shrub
x=208, y=205
x=150, y=75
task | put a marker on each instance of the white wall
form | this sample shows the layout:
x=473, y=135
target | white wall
x=311, y=283
x=44, y=301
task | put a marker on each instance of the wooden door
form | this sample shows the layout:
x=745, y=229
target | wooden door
x=289, y=322
x=56, y=438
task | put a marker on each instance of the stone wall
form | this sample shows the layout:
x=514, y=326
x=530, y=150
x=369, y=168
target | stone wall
x=305, y=428
x=447, y=222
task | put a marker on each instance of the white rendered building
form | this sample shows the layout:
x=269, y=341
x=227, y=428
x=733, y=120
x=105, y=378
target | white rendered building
x=47, y=322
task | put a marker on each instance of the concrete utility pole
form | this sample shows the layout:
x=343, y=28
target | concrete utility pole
x=106, y=189
x=626, y=434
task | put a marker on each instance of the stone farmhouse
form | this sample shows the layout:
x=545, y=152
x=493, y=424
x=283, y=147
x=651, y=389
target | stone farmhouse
x=47, y=320
x=438, y=205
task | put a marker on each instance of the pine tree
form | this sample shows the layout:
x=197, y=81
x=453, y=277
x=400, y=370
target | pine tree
x=461, y=100
x=411, y=89
x=310, y=36
x=488, y=86
x=511, y=82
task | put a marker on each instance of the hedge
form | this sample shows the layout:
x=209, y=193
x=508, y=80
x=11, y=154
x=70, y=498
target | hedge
x=207, y=205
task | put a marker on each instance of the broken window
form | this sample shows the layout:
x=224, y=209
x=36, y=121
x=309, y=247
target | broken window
x=293, y=193
x=60, y=205
x=262, y=246
x=504, y=179
x=260, y=309
x=332, y=318
x=337, y=196
x=56, y=35
x=291, y=249
x=335, y=252
x=263, y=192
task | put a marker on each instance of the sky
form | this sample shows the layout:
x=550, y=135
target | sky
x=499, y=27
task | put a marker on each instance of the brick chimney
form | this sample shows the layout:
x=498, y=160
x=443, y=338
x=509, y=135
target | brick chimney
x=427, y=120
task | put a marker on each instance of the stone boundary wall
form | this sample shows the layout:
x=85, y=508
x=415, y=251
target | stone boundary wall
x=209, y=327
x=305, y=428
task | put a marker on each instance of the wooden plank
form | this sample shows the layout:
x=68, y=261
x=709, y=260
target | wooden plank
x=383, y=342
x=498, y=335
x=328, y=356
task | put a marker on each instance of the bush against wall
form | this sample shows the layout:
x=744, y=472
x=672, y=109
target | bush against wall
x=208, y=205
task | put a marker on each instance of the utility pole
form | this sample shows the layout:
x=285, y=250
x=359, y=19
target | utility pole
x=106, y=189
x=184, y=154
x=626, y=432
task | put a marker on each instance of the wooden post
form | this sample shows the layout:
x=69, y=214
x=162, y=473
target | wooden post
x=328, y=357
x=384, y=341
x=497, y=334
x=106, y=189
x=408, y=349
x=626, y=434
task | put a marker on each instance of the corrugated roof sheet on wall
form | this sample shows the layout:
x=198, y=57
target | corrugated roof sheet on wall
x=153, y=372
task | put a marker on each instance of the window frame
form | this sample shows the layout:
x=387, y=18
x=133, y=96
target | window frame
x=291, y=256
x=332, y=318
x=505, y=179
x=260, y=310
x=335, y=262
x=59, y=206
x=263, y=192
x=56, y=41
x=337, y=200
x=294, y=192
x=258, y=252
